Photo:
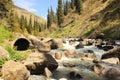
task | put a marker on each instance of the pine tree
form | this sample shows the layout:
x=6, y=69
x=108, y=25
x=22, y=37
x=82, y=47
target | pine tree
x=22, y=27
x=78, y=4
x=72, y=4
x=25, y=23
x=52, y=15
x=66, y=8
x=60, y=14
x=55, y=18
x=48, y=19
x=29, y=26
x=65, y=13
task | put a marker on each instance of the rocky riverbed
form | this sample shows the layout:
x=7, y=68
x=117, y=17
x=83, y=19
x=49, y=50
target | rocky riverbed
x=71, y=59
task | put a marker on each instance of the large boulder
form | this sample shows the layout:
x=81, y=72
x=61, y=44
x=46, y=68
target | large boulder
x=111, y=60
x=115, y=52
x=56, y=43
x=98, y=42
x=110, y=71
x=36, y=63
x=109, y=41
x=3, y=53
x=42, y=46
x=12, y=70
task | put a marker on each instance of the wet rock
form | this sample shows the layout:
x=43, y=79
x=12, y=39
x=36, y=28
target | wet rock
x=12, y=70
x=37, y=62
x=71, y=75
x=96, y=60
x=58, y=55
x=48, y=73
x=65, y=64
x=90, y=55
x=88, y=51
x=86, y=58
x=56, y=43
x=107, y=47
x=69, y=54
x=87, y=42
x=112, y=74
x=3, y=53
x=37, y=77
x=109, y=41
x=50, y=62
x=97, y=69
x=74, y=76
x=111, y=60
x=110, y=71
x=115, y=52
x=42, y=46
x=98, y=42
x=79, y=46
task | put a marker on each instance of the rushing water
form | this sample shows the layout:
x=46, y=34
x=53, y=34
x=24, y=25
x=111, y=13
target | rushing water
x=82, y=67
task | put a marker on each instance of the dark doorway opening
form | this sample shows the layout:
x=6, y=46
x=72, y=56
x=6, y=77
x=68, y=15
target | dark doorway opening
x=22, y=44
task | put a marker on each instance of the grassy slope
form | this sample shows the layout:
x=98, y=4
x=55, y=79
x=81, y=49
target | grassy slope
x=6, y=38
x=28, y=14
x=97, y=19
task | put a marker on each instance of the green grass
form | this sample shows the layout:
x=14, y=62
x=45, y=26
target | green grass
x=4, y=34
x=14, y=55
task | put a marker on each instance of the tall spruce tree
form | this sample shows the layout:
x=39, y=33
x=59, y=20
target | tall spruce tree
x=29, y=26
x=78, y=4
x=72, y=4
x=60, y=14
x=22, y=22
x=52, y=15
x=48, y=19
x=66, y=7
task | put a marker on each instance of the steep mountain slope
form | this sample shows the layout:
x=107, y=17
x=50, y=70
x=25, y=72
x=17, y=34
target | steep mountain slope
x=99, y=18
x=27, y=14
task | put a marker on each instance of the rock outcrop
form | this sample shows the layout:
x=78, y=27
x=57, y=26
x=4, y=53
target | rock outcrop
x=36, y=63
x=12, y=70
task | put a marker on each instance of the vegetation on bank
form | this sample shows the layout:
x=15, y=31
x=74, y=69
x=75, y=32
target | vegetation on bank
x=6, y=36
x=97, y=19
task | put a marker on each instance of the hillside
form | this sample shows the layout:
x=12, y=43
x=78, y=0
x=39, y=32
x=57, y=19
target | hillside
x=27, y=22
x=99, y=18
x=27, y=14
